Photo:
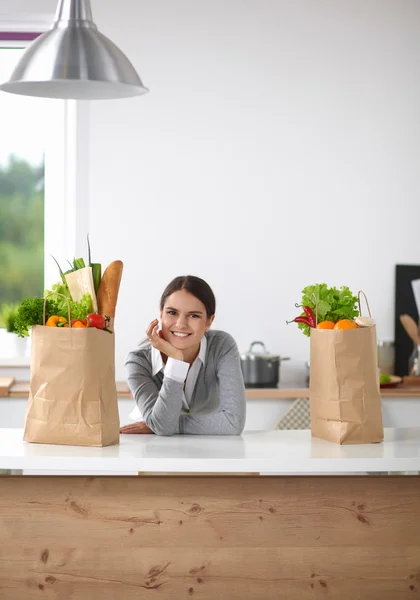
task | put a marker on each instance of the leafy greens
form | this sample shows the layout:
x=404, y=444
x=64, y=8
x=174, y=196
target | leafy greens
x=78, y=310
x=333, y=303
x=30, y=311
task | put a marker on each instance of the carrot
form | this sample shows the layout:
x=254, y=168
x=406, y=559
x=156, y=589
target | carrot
x=109, y=287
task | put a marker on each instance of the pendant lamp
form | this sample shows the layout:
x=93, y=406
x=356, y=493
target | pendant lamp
x=73, y=60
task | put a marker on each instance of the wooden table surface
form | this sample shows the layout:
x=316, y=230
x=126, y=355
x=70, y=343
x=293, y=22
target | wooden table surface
x=265, y=538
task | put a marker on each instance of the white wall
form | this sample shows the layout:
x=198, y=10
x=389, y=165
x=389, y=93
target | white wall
x=278, y=147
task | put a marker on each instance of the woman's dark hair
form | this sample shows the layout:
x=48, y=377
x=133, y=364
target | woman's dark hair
x=195, y=286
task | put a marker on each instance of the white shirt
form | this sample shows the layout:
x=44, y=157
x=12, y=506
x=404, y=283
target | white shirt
x=178, y=370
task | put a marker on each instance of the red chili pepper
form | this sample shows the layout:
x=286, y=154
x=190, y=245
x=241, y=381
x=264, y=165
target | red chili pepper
x=311, y=317
x=309, y=314
x=300, y=320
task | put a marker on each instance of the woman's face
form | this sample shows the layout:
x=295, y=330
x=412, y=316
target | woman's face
x=185, y=314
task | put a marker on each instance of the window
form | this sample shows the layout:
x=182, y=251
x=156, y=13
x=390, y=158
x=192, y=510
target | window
x=38, y=186
x=22, y=152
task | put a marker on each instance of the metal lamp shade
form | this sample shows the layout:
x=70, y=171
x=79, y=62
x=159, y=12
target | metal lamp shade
x=73, y=60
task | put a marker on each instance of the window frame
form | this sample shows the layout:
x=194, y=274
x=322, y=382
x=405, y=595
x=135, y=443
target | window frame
x=66, y=199
x=66, y=163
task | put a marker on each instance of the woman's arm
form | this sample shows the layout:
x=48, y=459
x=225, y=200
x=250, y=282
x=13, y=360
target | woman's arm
x=160, y=409
x=230, y=417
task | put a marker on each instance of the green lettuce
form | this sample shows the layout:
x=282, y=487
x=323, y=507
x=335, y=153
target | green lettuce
x=30, y=311
x=333, y=303
x=78, y=310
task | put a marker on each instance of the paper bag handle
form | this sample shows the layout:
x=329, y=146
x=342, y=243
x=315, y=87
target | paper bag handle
x=56, y=294
x=367, y=303
x=313, y=297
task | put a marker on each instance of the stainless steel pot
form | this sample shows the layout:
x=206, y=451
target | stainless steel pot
x=260, y=369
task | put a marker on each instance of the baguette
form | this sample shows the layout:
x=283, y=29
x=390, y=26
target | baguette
x=109, y=287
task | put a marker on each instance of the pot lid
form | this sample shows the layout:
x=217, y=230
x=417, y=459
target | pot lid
x=264, y=355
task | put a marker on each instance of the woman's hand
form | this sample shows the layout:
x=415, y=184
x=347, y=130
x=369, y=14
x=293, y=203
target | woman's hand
x=139, y=427
x=158, y=341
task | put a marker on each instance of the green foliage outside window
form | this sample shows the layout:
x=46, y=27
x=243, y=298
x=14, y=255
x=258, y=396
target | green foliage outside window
x=21, y=231
x=8, y=315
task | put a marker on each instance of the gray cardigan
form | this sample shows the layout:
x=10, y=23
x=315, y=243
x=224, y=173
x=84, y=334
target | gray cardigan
x=218, y=400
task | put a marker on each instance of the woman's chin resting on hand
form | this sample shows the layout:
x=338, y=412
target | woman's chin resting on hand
x=139, y=427
x=185, y=378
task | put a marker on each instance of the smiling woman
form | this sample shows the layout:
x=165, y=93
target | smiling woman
x=186, y=378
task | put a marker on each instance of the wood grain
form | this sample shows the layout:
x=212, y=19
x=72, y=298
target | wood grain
x=5, y=385
x=256, y=537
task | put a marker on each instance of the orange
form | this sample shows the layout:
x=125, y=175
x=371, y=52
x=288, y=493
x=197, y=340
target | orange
x=325, y=325
x=345, y=324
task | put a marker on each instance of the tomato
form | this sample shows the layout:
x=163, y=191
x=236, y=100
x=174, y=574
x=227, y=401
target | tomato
x=84, y=322
x=98, y=321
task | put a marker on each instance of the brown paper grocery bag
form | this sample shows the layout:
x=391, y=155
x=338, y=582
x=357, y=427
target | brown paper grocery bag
x=72, y=395
x=345, y=400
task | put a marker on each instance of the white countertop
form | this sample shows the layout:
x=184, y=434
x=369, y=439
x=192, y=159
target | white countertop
x=268, y=452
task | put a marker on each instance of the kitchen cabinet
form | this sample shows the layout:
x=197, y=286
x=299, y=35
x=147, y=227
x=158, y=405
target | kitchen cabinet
x=268, y=514
x=262, y=413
